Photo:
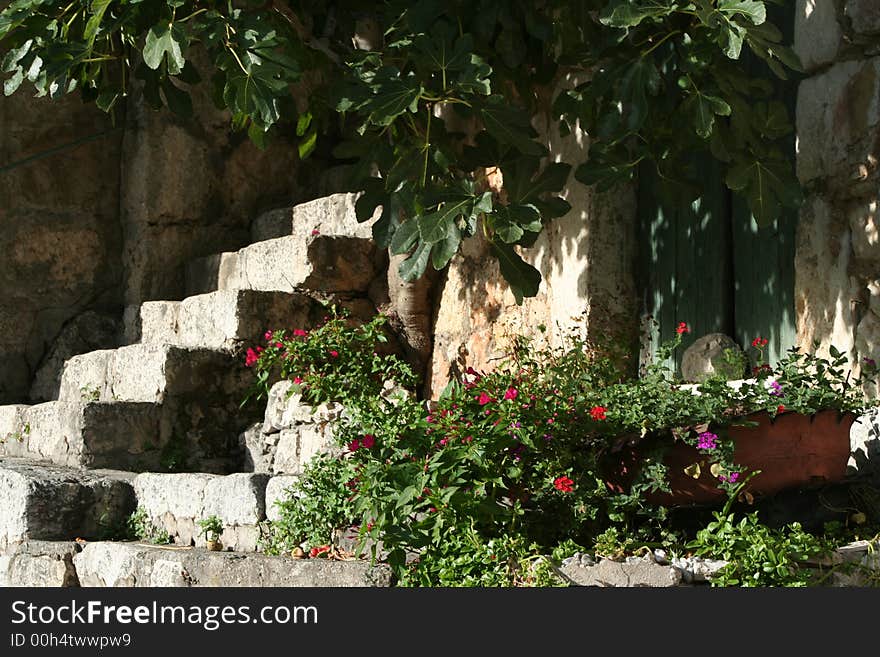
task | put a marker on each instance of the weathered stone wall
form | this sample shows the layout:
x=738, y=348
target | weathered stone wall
x=586, y=259
x=837, y=261
x=113, y=221
x=59, y=231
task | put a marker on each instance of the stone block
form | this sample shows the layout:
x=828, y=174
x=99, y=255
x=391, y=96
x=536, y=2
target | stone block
x=177, y=502
x=707, y=356
x=276, y=491
x=864, y=15
x=608, y=573
x=328, y=215
x=817, y=33
x=41, y=564
x=49, y=502
x=136, y=565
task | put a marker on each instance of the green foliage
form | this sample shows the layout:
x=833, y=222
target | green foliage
x=515, y=462
x=443, y=91
x=139, y=527
x=314, y=507
x=758, y=555
x=211, y=527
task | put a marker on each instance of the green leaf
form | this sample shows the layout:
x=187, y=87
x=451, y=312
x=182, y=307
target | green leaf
x=414, y=266
x=94, y=22
x=435, y=226
x=392, y=98
x=404, y=237
x=629, y=13
x=307, y=145
x=510, y=125
x=302, y=123
x=164, y=40
x=703, y=108
x=13, y=83
x=524, y=280
x=444, y=250
x=767, y=184
x=756, y=12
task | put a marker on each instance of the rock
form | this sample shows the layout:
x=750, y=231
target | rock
x=126, y=564
x=838, y=113
x=177, y=502
x=90, y=434
x=276, y=491
x=332, y=215
x=286, y=264
x=48, y=502
x=822, y=262
x=297, y=446
x=607, y=573
x=41, y=564
x=696, y=569
x=864, y=15
x=817, y=33
x=86, y=332
x=713, y=354
x=285, y=408
x=258, y=452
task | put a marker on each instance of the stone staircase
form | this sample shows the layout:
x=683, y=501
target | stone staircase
x=156, y=425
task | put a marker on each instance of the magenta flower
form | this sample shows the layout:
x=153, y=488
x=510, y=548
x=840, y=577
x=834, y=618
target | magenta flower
x=368, y=441
x=707, y=440
x=354, y=445
x=300, y=333
x=775, y=389
x=484, y=399
x=267, y=335
x=511, y=393
x=334, y=353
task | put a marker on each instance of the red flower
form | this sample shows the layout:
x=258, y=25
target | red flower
x=511, y=393
x=563, y=484
x=317, y=551
x=268, y=335
x=315, y=232
x=368, y=440
x=780, y=409
x=354, y=445
x=759, y=342
x=597, y=412
x=682, y=328
x=484, y=399
x=300, y=333
x=334, y=353
x=252, y=358
x=297, y=380
x=279, y=345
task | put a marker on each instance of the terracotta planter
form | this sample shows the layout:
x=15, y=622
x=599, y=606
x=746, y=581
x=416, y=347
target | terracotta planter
x=791, y=451
x=214, y=546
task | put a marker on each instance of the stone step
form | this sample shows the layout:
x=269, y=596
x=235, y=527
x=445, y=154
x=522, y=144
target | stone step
x=223, y=320
x=182, y=434
x=141, y=565
x=333, y=214
x=84, y=434
x=315, y=246
x=152, y=373
x=44, y=501
x=175, y=503
x=291, y=434
x=40, y=564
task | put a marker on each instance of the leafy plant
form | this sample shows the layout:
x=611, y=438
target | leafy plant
x=442, y=93
x=212, y=527
x=139, y=527
x=314, y=507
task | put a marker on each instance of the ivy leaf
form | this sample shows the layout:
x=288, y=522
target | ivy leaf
x=629, y=13
x=524, y=280
x=164, y=40
x=414, y=266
